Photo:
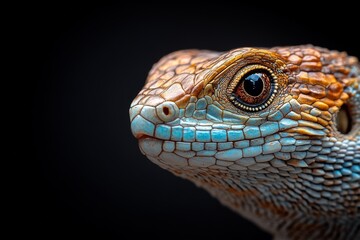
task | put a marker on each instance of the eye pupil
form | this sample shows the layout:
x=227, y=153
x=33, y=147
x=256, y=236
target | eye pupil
x=253, y=84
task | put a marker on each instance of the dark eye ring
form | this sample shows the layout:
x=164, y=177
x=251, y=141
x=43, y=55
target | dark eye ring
x=253, y=88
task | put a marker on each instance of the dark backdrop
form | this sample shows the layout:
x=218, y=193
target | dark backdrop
x=88, y=62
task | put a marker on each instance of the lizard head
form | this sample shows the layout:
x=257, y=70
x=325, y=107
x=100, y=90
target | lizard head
x=248, y=110
x=256, y=127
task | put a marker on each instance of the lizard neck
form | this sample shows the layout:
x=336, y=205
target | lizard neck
x=273, y=206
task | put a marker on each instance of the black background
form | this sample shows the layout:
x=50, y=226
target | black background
x=88, y=61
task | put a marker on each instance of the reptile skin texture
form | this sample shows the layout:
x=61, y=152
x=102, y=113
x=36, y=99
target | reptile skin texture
x=271, y=133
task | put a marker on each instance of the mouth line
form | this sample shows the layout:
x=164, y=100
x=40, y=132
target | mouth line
x=142, y=136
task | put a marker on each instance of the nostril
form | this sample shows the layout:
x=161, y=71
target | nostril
x=167, y=111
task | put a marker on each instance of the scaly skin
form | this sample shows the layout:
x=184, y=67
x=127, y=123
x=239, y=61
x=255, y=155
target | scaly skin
x=286, y=167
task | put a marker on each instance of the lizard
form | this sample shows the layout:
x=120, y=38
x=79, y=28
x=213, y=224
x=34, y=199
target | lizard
x=272, y=133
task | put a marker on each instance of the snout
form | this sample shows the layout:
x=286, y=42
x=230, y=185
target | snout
x=144, y=119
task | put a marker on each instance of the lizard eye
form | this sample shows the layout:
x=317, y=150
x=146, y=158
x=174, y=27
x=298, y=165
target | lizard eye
x=253, y=88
